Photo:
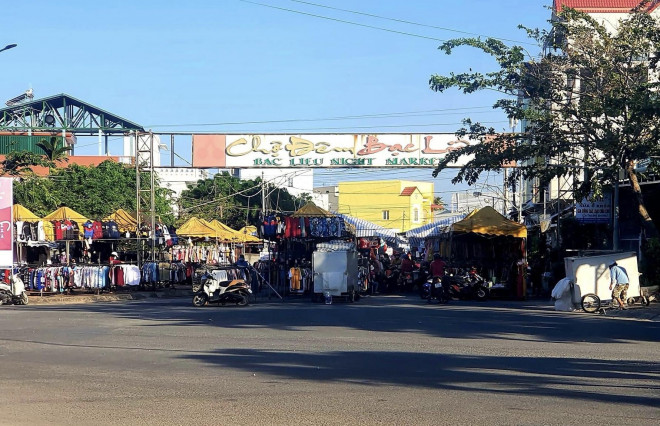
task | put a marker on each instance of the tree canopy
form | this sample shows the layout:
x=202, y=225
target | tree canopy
x=590, y=105
x=234, y=202
x=93, y=191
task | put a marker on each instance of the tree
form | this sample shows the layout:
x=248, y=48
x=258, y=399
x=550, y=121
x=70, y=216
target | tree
x=53, y=149
x=233, y=201
x=592, y=104
x=93, y=191
x=18, y=163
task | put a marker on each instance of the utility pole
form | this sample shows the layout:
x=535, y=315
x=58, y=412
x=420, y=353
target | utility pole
x=263, y=195
x=615, y=218
x=520, y=200
x=513, y=124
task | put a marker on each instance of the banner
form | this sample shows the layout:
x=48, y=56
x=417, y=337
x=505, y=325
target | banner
x=594, y=211
x=6, y=222
x=326, y=151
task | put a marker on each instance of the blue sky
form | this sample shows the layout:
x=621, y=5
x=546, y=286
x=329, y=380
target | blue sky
x=172, y=65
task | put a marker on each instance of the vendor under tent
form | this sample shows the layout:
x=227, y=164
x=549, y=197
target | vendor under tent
x=298, y=236
x=207, y=243
x=125, y=222
x=487, y=240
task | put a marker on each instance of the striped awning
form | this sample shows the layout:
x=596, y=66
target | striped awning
x=433, y=229
x=364, y=228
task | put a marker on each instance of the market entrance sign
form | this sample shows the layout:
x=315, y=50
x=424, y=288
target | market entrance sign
x=326, y=151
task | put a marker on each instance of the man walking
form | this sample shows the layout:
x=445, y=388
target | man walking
x=619, y=279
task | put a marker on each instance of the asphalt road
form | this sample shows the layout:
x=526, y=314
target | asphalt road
x=384, y=360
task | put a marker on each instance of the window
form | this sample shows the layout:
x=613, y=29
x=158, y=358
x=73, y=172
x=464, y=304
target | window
x=386, y=215
x=289, y=182
x=415, y=214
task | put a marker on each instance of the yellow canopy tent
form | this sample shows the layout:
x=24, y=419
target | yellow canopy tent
x=248, y=234
x=23, y=214
x=196, y=228
x=487, y=221
x=312, y=210
x=220, y=233
x=125, y=222
x=237, y=236
x=65, y=213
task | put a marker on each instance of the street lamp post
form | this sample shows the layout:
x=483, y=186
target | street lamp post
x=7, y=47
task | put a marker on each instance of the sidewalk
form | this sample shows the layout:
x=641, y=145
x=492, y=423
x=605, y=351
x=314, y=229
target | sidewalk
x=650, y=313
x=59, y=299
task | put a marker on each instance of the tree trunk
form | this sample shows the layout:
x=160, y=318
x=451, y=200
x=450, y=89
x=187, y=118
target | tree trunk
x=649, y=227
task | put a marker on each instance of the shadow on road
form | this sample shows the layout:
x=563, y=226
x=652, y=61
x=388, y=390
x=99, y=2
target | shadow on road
x=556, y=377
x=464, y=320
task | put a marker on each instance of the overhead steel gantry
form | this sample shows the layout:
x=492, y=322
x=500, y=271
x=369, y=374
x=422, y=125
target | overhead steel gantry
x=63, y=112
x=67, y=115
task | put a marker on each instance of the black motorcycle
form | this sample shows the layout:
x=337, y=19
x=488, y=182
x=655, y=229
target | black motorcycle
x=466, y=287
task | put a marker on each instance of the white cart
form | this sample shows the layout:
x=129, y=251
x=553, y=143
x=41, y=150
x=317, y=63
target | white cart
x=591, y=275
x=335, y=273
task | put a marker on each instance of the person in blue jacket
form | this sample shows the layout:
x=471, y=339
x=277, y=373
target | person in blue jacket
x=619, y=280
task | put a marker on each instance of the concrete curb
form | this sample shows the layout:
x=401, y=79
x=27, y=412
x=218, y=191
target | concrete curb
x=101, y=298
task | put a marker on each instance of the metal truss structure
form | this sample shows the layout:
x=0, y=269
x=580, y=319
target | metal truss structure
x=62, y=112
x=146, y=194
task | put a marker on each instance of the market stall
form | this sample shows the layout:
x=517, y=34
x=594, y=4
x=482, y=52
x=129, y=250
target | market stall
x=126, y=223
x=490, y=242
x=301, y=233
x=33, y=237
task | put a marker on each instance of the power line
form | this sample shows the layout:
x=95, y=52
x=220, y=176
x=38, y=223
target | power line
x=409, y=22
x=343, y=21
x=346, y=129
x=422, y=113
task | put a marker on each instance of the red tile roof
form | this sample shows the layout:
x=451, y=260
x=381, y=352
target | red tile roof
x=603, y=6
x=408, y=190
x=81, y=160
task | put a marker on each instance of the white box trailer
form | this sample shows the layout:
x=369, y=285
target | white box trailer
x=335, y=272
x=590, y=274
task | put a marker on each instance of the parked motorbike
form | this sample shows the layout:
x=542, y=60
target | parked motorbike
x=212, y=290
x=13, y=293
x=468, y=286
x=433, y=289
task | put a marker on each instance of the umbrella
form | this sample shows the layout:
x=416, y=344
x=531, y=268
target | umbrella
x=65, y=213
x=23, y=214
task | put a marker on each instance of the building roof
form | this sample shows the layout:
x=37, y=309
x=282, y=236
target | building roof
x=81, y=160
x=63, y=112
x=603, y=6
x=408, y=191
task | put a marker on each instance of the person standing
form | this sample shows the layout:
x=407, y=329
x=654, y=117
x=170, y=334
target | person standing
x=619, y=280
x=437, y=267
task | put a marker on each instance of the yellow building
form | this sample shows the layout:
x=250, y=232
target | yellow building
x=394, y=204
